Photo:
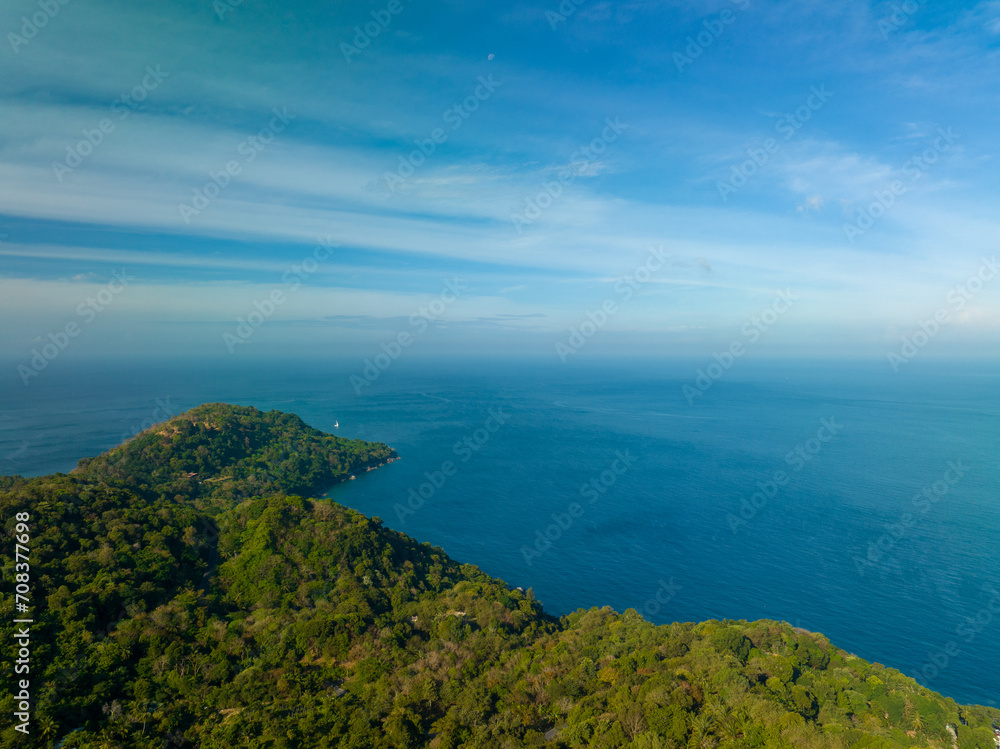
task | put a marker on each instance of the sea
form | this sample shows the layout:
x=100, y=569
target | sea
x=840, y=497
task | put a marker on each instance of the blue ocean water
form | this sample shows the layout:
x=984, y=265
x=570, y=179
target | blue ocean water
x=840, y=498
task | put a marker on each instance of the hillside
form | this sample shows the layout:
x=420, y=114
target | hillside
x=226, y=452
x=221, y=610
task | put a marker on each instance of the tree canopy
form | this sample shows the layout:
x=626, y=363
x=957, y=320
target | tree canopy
x=235, y=608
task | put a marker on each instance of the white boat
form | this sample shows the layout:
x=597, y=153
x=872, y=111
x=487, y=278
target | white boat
x=336, y=424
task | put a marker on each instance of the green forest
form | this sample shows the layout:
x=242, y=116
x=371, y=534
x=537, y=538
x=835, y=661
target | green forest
x=192, y=588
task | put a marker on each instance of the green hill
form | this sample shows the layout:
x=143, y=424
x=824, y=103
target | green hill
x=222, y=452
x=221, y=610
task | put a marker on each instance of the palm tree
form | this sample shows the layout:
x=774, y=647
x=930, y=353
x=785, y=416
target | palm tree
x=139, y=712
x=715, y=707
x=732, y=726
x=701, y=731
x=48, y=728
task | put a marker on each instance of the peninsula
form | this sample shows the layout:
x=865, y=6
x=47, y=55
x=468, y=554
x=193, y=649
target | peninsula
x=192, y=588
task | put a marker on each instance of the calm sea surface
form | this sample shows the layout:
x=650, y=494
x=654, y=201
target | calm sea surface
x=876, y=518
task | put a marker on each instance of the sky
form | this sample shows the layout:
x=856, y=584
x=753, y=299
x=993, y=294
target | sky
x=251, y=179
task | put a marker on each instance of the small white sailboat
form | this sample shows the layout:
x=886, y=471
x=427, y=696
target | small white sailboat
x=336, y=424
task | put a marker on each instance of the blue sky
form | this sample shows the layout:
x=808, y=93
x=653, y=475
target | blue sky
x=838, y=102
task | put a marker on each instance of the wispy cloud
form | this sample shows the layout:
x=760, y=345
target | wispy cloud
x=324, y=175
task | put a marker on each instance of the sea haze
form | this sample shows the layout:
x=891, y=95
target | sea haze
x=850, y=545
